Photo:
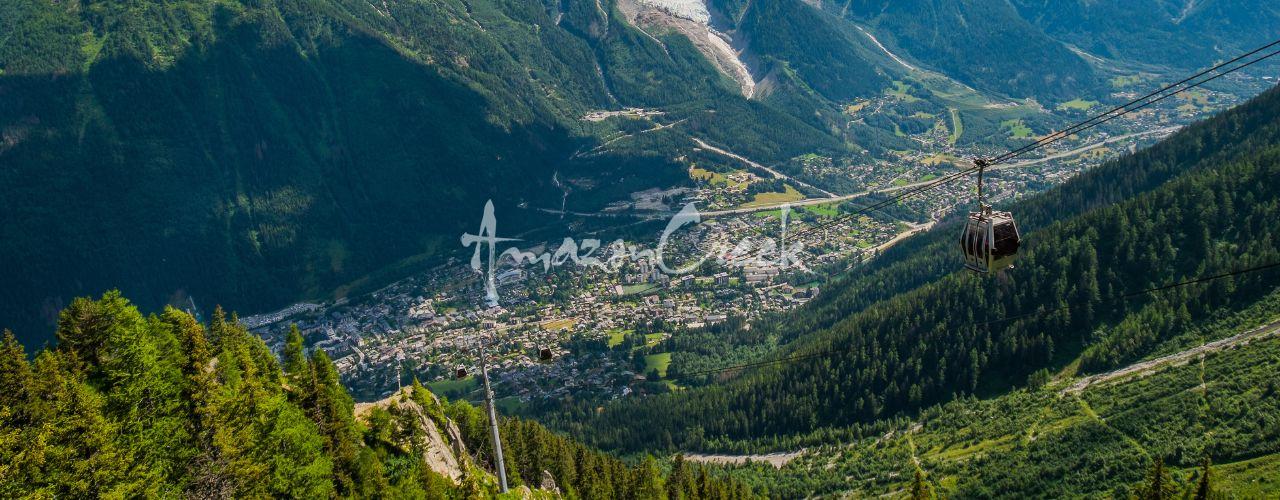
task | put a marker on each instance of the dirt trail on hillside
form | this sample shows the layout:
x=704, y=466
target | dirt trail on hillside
x=1177, y=359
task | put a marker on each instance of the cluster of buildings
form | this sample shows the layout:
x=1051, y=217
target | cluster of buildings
x=429, y=325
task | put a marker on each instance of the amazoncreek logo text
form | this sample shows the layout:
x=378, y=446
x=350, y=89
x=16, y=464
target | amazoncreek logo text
x=761, y=252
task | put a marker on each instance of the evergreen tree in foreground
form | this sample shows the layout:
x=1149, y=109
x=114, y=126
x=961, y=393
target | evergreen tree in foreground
x=1203, y=488
x=162, y=406
x=1159, y=486
x=919, y=490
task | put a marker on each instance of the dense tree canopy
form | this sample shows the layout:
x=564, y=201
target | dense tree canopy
x=142, y=406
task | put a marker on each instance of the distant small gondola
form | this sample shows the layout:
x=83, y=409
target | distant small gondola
x=545, y=355
x=460, y=373
x=990, y=239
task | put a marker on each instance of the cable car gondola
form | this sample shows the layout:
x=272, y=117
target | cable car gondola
x=460, y=373
x=545, y=355
x=990, y=239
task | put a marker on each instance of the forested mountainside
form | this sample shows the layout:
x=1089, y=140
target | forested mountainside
x=256, y=153
x=163, y=406
x=1052, y=49
x=1175, y=33
x=984, y=43
x=1200, y=203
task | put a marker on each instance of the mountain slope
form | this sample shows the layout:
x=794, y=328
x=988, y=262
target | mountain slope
x=1047, y=442
x=1178, y=34
x=984, y=43
x=258, y=153
x=1205, y=204
x=262, y=152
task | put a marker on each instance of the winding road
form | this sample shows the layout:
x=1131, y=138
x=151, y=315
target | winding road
x=776, y=174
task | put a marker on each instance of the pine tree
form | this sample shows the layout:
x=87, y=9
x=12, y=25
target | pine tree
x=1159, y=485
x=295, y=360
x=919, y=490
x=1204, y=489
x=201, y=398
x=140, y=365
x=217, y=327
x=675, y=481
x=265, y=362
x=77, y=443
x=331, y=409
x=85, y=325
x=200, y=387
x=705, y=488
x=15, y=373
x=648, y=481
x=17, y=380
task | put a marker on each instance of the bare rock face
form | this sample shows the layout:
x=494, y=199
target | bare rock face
x=549, y=483
x=455, y=438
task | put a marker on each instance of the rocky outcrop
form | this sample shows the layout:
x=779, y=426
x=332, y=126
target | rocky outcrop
x=444, y=452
